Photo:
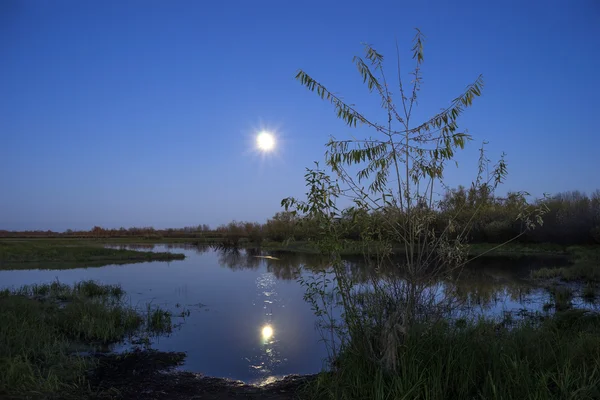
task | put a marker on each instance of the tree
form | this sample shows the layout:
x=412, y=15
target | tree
x=282, y=226
x=97, y=231
x=400, y=168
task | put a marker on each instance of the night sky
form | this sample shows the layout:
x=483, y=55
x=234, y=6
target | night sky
x=145, y=113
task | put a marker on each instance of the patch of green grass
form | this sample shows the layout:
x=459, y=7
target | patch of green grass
x=93, y=289
x=578, y=272
x=158, y=321
x=558, y=358
x=585, y=266
x=41, y=326
x=97, y=322
x=25, y=254
x=60, y=291
x=34, y=356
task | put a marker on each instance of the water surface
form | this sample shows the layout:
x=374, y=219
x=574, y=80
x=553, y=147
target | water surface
x=229, y=297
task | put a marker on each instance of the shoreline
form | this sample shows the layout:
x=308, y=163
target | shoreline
x=156, y=377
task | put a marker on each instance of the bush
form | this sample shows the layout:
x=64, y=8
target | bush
x=498, y=231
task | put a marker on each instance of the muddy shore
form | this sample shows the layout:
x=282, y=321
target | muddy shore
x=152, y=375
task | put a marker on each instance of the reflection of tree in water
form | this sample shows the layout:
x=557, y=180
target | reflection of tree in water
x=285, y=266
x=490, y=283
x=483, y=284
x=284, y=270
x=237, y=259
x=199, y=248
x=290, y=266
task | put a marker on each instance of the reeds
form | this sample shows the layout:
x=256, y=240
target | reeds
x=555, y=359
x=41, y=327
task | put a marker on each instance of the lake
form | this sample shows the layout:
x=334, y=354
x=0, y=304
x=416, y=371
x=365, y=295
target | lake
x=243, y=317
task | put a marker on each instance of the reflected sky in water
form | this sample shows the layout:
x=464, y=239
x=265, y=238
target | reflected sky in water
x=247, y=316
x=231, y=298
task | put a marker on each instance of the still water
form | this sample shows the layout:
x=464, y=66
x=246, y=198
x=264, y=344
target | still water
x=242, y=316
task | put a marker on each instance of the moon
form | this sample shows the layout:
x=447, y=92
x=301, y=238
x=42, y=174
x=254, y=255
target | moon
x=265, y=141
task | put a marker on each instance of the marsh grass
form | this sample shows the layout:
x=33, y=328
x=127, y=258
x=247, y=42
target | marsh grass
x=42, y=325
x=586, y=266
x=578, y=272
x=24, y=254
x=93, y=289
x=34, y=355
x=563, y=297
x=158, y=321
x=558, y=358
x=56, y=290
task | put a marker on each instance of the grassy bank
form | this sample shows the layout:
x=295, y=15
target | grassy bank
x=26, y=254
x=556, y=359
x=585, y=268
x=43, y=327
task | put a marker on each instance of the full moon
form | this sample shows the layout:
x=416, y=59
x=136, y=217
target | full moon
x=265, y=141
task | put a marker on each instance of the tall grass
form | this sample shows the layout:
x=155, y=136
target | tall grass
x=60, y=291
x=158, y=321
x=563, y=297
x=34, y=354
x=41, y=327
x=557, y=359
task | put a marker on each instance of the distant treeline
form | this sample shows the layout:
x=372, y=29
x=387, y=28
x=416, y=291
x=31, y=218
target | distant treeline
x=573, y=218
x=191, y=232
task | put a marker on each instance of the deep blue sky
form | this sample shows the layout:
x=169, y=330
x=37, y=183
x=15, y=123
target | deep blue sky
x=138, y=113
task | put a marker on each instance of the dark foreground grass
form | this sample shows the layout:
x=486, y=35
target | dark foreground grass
x=42, y=327
x=25, y=254
x=556, y=359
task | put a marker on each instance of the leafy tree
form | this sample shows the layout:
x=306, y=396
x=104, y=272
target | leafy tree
x=282, y=226
x=400, y=168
